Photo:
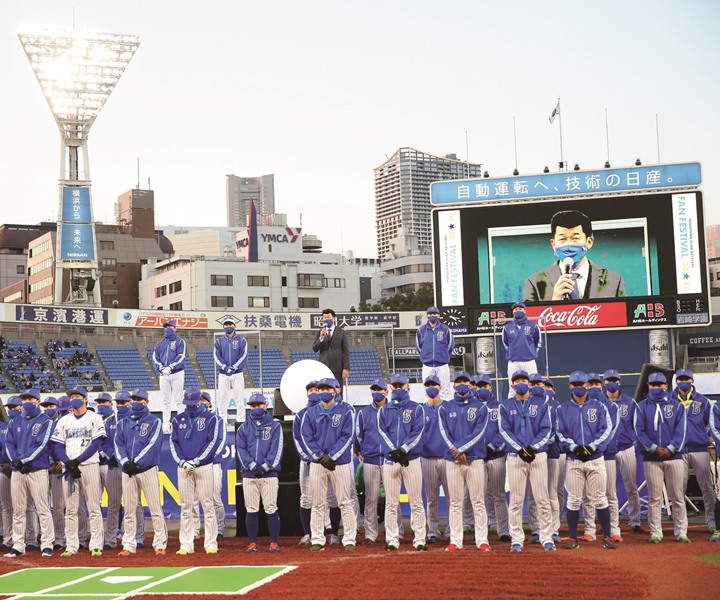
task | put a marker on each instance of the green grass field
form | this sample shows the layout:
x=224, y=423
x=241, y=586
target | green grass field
x=114, y=583
x=713, y=559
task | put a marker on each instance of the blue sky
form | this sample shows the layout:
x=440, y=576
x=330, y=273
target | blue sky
x=319, y=92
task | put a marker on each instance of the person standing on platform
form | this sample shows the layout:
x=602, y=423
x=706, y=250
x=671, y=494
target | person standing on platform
x=332, y=344
x=169, y=361
x=435, y=344
x=230, y=354
x=522, y=340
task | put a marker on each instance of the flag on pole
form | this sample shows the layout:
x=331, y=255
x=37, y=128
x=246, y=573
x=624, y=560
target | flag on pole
x=555, y=112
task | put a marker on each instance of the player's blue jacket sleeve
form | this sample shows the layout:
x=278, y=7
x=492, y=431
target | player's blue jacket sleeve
x=241, y=447
x=230, y=354
x=149, y=456
x=308, y=429
x=297, y=436
x=121, y=451
x=714, y=422
x=506, y=429
x=545, y=430
x=344, y=440
x=275, y=452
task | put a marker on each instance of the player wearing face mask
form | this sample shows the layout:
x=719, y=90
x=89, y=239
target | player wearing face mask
x=110, y=472
x=55, y=408
x=168, y=358
x=435, y=344
x=230, y=353
x=138, y=440
x=13, y=406
x=661, y=426
x=522, y=340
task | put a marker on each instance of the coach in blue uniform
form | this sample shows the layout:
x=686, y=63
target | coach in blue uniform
x=169, y=361
x=435, y=344
x=660, y=426
x=584, y=428
x=715, y=432
x=327, y=435
x=28, y=449
x=522, y=341
x=230, y=353
x=259, y=446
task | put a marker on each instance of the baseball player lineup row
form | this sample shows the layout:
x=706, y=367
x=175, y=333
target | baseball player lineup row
x=57, y=456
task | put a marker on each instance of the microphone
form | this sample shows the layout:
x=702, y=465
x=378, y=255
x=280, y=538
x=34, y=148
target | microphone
x=567, y=267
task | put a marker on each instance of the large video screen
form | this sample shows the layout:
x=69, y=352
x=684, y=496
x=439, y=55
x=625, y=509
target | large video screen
x=607, y=262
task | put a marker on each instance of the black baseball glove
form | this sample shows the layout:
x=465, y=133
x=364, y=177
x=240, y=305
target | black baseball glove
x=400, y=456
x=26, y=468
x=527, y=454
x=258, y=472
x=583, y=453
x=327, y=462
x=131, y=468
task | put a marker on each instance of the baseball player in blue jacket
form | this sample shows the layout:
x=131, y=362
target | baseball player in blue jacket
x=435, y=343
x=110, y=472
x=217, y=474
x=327, y=435
x=259, y=445
x=28, y=450
x=661, y=427
x=584, y=428
x=304, y=475
x=169, y=361
x=625, y=457
x=524, y=422
x=193, y=443
x=138, y=440
x=230, y=353
x=463, y=421
x=400, y=423
x=13, y=406
x=368, y=449
x=697, y=412
x=433, y=458
x=715, y=432
x=522, y=340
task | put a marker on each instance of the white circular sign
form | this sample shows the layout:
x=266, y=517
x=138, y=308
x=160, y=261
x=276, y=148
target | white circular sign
x=296, y=377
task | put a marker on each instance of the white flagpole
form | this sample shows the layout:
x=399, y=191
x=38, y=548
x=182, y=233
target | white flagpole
x=562, y=161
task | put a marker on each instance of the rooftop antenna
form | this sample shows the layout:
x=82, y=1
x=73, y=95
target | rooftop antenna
x=515, y=145
x=138, y=172
x=467, y=153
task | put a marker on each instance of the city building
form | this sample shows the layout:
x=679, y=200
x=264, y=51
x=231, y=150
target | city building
x=402, y=193
x=239, y=191
x=406, y=266
x=712, y=241
x=14, y=241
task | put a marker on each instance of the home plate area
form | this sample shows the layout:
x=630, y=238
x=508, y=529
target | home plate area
x=115, y=583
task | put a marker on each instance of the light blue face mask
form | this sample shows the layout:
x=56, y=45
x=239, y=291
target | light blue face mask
x=577, y=253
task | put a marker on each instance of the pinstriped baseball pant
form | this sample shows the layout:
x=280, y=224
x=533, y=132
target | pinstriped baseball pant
x=35, y=486
x=495, y=492
x=111, y=480
x=434, y=475
x=342, y=480
x=700, y=463
x=149, y=483
x=89, y=486
x=674, y=474
x=201, y=482
x=472, y=475
x=394, y=475
x=519, y=472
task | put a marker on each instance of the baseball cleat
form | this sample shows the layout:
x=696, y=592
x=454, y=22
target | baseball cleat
x=46, y=552
x=421, y=548
x=505, y=538
x=432, y=539
x=715, y=537
x=484, y=548
x=160, y=552
x=96, y=552
x=451, y=548
x=637, y=529
x=67, y=554
x=617, y=538
x=57, y=547
x=304, y=540
x=349, y=547
x=549, y=546
x=556, y=538
x=609, y=544
x=211, y=551
x=182, y=552
x=275, y=548
x=588, y=537
x=571, y=545
x=653, y=539
x=13, y=553
x=253, y=548
x=314, y=548
x=535, y=538
x=516, y=548
x=334, y=540
x=683, y=539
x=31, y=548
x=390, y=548
x=107, y=547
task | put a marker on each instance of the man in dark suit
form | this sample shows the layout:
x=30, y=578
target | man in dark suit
x=332, y=344
x=573, y=276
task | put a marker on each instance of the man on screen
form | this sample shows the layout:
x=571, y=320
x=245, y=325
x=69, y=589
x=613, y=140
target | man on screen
x=572, y=276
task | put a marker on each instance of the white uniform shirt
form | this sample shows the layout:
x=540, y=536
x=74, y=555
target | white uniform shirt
x=77, y=433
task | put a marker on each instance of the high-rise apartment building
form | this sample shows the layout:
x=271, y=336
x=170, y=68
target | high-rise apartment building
x=240, y=190
x=402, y=193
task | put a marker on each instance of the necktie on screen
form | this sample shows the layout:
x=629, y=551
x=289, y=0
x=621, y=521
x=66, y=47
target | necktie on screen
x=575, y=294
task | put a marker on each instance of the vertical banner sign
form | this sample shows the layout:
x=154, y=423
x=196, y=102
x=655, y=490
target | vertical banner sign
x=451, y=269
x=76, y=205
x=77, y=242
x=687, y=253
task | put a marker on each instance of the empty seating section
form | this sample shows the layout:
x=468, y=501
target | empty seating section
x=364, y=364
x=207, y=366
x=191, y=378
x=273, y=367
x=126, y=365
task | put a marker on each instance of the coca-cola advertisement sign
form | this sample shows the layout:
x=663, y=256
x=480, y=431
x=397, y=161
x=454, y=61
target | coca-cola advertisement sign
x=580, y=316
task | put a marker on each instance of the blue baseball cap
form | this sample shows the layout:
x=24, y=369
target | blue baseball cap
x=548, y=382
x=13, y=401
x=594, y=377
x=432, y=310
x=519, y=374
x=63, y=403
x=461, y=375
x=311, y=384
x=432, y=380
x=256, y=398
x=206, y=396
x=483, y=378
x=169, y=323
x=611, y=374
x=578, y=377
x=49, y=401
x=122, y=396
x=78, y=390
x=31, y=393
x=379, y=383
x=519, y=305
x=104, y=397
x=139, y=393
x=399, y=379
x=191, y=396
x=657, y=377
x=687, y=373
x=536, y=378
x=329, y=382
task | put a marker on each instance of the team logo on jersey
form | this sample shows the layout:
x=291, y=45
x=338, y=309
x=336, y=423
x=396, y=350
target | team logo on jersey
x=235, y=344
x=172, y=345
x=144, y=428
x=201, y=424
x=36, y=429
x=624, y=410
x=527, y=330
x=266, y=433
x=407, y=415
x=336, y=418
x=494, y=414
x=697, y=407
x=592, y=415
x=668, y=410
x=440, y=336
x=533, y=410
x=472, y=413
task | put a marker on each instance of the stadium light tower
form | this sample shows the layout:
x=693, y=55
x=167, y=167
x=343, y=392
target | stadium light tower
x=77, y=71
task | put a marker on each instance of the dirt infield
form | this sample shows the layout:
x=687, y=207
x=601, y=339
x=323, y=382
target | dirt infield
x=636, y=570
